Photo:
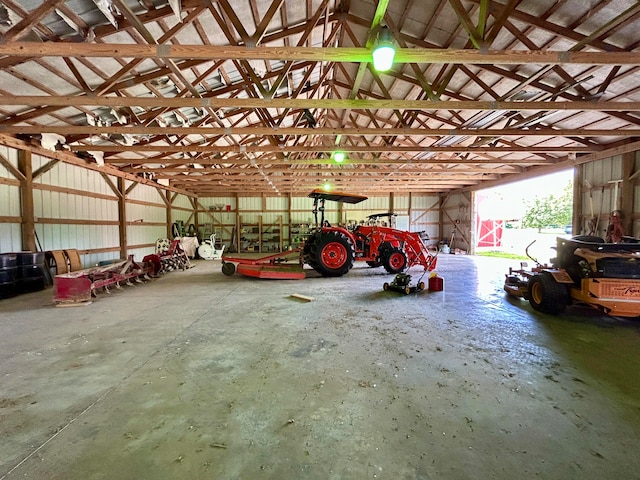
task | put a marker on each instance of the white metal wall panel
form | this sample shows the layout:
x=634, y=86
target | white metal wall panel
x=301, y=203
x=181, y=201
x=457, y=219
x=140, y=253
x=10, y=233
x=146, y=213
x=401, y=203
x=272, y=218
x=144, y=234
x=375, y=204
x=249, y=217
x=10, y=154
x=10, y=237
x=425, y=221
x=181, y=215
x=598, y=192
x=218, y=203
x=9, y=200
x=144, y=193
x=250, y=203
x=424, y=202
x=277, y=203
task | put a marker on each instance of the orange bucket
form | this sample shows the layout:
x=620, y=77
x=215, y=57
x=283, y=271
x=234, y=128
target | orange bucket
x=436, y=284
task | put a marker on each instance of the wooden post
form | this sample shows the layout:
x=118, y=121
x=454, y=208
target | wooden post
x=628, y=200
x=122, y=217
x=410, y=211
x=26, y=200
x=577, y=214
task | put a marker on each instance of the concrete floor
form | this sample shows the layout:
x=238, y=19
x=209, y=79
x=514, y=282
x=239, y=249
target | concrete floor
x=197, y=375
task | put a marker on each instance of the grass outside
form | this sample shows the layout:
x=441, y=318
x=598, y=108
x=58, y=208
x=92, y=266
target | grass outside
x=499, y=254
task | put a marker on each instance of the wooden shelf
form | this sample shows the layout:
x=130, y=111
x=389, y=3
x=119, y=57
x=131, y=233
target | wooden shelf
x=261, y=237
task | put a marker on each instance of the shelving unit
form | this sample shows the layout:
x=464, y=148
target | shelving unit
x=260, y=237
x=298, y=234
x=271, y=236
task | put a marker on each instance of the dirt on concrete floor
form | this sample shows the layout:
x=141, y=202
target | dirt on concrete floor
x=199, y=375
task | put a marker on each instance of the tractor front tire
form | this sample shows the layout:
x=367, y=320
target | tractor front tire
x=331, y=254
x=546, y=295
x=394, y=261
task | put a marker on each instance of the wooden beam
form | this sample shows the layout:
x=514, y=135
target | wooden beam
x=326, y=149
x=45, y=168
x=17, y=174
x=122, y=217
x=24, y=25
x=438, y=160
x=563, y=165
x=348, y=55
x=26, y=201
x=310, y=103
x=320, y=131
x=628, y=192
x=72, y=159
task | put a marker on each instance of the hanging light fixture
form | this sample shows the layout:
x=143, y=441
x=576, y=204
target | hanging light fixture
x=384, y=52
x=338, y=157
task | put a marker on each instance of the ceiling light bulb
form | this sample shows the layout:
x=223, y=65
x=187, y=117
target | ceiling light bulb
x=339, y=157
x=384, y=52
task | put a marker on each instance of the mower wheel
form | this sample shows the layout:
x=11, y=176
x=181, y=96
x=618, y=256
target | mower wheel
x=421, y=286
x=331, y=254
x=385, y=287
x=228, y=268
x=546, y=295
x=394, y=261
x=407, y=290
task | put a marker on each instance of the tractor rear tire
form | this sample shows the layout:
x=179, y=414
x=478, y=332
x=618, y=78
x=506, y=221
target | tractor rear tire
x=331, y=254
x=546, y=295
x=394, y=261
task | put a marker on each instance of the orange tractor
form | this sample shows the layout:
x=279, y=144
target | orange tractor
x=332, y=250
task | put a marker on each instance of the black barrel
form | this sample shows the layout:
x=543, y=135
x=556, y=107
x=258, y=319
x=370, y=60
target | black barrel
x=31, y=274
x=8, y=274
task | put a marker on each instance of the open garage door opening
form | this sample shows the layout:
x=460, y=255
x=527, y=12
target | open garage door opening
x=510, y=217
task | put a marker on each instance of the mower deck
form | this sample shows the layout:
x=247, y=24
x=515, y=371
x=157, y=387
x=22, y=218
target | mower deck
x=280, y=266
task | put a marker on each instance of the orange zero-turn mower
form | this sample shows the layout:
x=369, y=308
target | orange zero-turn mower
x=587, y=271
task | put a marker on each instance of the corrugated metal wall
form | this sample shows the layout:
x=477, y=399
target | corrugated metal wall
x=602, y=190
x=146, y=219
x=10, y=236
x=64, y=197
x=77, y=208
x=457, y=221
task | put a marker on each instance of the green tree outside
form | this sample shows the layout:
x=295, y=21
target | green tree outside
x=552, y=210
